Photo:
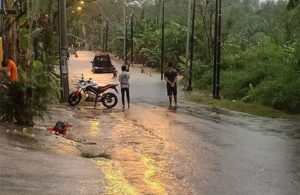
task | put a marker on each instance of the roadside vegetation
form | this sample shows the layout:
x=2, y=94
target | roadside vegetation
x=260, y=47
x=204, y=97
x=90, y=155
x=260, y=44
x=30, y=37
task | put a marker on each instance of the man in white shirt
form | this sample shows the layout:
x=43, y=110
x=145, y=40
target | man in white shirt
x=124, y=81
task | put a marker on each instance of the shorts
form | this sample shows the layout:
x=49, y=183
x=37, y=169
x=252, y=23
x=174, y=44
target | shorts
x=172, y=90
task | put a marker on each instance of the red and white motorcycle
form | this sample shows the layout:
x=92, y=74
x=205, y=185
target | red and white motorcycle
x=94, y=93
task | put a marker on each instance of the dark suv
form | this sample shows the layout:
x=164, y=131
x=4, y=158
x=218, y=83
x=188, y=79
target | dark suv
x=102, y=63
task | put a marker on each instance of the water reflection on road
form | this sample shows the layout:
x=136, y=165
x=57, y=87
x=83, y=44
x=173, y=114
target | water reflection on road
x=189, y=150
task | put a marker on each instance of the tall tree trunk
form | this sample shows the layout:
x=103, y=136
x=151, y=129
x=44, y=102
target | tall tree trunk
x=8, y=35
x=211, y=44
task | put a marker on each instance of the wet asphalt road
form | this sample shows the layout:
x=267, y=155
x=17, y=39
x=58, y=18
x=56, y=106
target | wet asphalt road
x=191, y=149
x=33, y=162
x=201, y=150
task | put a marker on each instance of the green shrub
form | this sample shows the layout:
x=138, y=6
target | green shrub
x=266, y=74
x=281, y=93
x=202, y=74
x=233, y=84
x=90, y=155
x=28, y=97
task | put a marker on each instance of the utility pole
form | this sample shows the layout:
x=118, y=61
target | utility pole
x=162, y=40
x=63, y=51
x=126, y=48
x=103, y=36
x=192, y=49
x=125, y=34
x=131, y=45
x=106, y=38
x=187, y=49
x=217, y=51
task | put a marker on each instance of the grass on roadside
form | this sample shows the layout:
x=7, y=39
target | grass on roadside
x=90, y=155
x=84, y=103
x=251, y=108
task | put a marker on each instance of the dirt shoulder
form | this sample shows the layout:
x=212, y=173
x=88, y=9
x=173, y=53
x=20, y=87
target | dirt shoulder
x=32, y=161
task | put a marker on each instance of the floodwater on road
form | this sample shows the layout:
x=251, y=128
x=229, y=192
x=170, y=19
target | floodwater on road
x=156, y=150
x=193, y=149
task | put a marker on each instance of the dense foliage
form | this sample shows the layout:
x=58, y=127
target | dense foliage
x=261, y=60
x=21, y=101
x=260, y=44
x=31, y=39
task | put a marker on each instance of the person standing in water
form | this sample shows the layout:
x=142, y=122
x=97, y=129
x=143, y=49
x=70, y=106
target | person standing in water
x=124, y=81
x=171, y=79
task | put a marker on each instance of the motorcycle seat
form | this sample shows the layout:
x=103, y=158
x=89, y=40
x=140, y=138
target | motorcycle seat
x=103, y=88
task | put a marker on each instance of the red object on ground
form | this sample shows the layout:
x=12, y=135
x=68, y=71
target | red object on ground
x=60, y=128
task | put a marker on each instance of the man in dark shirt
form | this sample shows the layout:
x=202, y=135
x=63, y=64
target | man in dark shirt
x=171, y=79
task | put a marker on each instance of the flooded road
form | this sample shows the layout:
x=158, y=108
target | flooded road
x=193, y=149
x=153, y=149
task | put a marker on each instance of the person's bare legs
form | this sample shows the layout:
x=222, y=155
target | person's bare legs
x=175, y=100
x=123, y=98
x=128, y=97
x=170, y=100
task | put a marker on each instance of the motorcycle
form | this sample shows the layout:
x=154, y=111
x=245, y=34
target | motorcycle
x=94, y=93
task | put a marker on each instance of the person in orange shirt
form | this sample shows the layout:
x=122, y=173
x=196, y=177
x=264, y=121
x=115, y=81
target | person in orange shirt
x=12, y=68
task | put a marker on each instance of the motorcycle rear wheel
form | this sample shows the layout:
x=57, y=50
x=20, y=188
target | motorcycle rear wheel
x=110, y=100
x=74, y=99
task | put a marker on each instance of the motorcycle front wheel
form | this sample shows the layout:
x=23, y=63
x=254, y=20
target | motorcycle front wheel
x=110, y=100
x=74, y=99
